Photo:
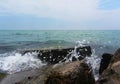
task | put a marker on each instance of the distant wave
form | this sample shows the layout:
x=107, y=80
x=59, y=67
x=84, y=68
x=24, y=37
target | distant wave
x=22, y=33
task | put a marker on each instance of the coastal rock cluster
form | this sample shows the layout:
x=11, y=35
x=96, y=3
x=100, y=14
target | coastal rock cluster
x=74, y=72
x=111, y=73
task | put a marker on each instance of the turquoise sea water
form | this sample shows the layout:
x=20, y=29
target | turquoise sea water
x=101, y=41
x=20, y=39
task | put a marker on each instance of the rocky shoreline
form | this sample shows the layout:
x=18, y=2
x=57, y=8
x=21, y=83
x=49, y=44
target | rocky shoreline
x=75, y=72
x=111, y=74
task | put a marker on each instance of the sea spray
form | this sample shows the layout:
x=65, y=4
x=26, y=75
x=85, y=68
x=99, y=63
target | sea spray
x=93, y=61
x=16, y=62
x=74, y=53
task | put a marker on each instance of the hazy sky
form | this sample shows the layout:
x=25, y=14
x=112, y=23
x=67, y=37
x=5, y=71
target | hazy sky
x=59, y=14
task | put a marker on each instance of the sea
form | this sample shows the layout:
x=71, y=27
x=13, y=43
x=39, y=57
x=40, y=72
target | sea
x=101, y=41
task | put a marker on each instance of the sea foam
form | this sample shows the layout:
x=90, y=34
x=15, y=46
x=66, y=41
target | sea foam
x=16, y=62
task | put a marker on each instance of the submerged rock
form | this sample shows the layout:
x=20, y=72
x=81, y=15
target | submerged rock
x=112, y=74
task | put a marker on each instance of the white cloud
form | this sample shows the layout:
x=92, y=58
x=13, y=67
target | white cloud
x=72, y=10
x=67, y=9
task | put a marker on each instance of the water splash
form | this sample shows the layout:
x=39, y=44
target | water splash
x=16, y=62
x=74, y=54
x=82, y=43
x=94, y=62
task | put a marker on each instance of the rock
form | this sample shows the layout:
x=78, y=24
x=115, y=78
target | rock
x=106, y=58
x=72, y=73
x=53, y=56
x=116, y=67
x=76, y=72
x=111, y=75
x=116, y=56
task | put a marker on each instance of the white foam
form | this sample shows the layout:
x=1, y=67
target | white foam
x=94, y=62
x=82, y=43
x=15, y=62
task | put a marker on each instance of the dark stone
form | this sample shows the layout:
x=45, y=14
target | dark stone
x=53, y=56
x=111, y=74
x=29, y=78
x=84, y=51
x=102, y=81
x=106, y=58
x=74, y=59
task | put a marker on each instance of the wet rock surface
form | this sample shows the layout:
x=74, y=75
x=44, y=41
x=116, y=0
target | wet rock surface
x=106, y=58
x=111, y=75
x=53, y=56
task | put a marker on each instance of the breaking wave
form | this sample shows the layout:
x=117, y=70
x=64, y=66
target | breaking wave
x=16, y=62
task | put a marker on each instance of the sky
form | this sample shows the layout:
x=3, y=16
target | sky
x=59, y=14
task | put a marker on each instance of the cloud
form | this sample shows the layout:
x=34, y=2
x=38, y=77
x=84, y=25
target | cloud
x=64, y=9
x=77, y=11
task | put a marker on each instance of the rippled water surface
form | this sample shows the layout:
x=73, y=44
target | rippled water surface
x=14, y=39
